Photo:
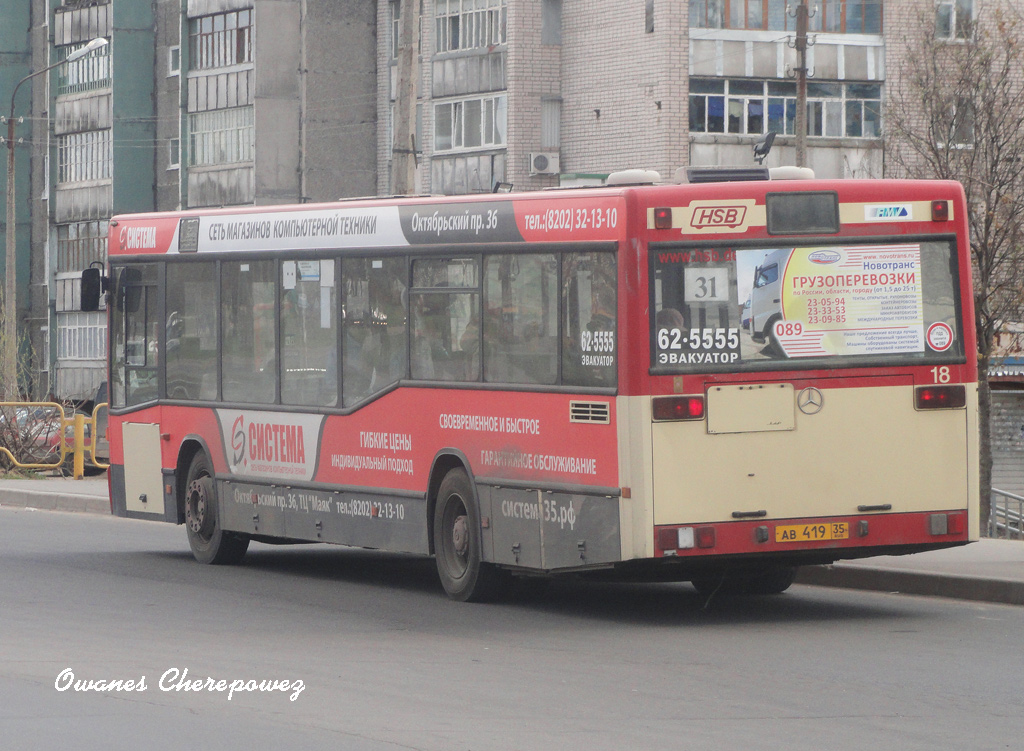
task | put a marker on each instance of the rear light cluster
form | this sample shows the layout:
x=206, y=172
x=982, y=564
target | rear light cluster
x=940, y=397
x=678, y=408
x=685, y=538
x=946, y=524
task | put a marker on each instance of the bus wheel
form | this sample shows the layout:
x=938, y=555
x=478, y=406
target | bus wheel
x=772, y=581
x=717, y=583
x=209, y=543
x=457, y=544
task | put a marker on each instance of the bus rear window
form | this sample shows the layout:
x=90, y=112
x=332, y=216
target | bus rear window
x=728, y=308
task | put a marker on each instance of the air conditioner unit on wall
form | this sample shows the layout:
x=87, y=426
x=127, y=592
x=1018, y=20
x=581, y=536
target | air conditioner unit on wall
x=544, y=163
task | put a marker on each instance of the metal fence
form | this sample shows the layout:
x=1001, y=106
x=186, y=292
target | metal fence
x=1006, y=517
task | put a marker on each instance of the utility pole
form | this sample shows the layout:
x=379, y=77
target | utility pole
x=403, y=150
x=802, y=14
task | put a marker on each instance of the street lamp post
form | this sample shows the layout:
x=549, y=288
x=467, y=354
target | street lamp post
x=9, y=375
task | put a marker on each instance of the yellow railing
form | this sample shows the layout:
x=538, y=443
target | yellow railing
x=77, y=448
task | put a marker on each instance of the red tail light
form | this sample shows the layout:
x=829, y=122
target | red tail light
x=678, y=408
x=940, y=211
x=940, y=397
x=662, y=218
x=705, y=537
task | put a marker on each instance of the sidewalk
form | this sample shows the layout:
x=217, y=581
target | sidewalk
x=987, y=570
x=57, y=494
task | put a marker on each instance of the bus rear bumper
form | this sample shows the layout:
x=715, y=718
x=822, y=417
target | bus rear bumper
x=816, y=539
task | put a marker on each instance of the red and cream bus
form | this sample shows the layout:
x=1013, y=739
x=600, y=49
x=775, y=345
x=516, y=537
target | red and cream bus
x=555, y=382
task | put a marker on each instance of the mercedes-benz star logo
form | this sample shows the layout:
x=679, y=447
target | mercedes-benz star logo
x=810, y=401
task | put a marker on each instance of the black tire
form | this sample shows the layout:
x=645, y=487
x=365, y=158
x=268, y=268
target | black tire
x=209, y=543
x=457, y=543
x=718, y=583
x=772, y=581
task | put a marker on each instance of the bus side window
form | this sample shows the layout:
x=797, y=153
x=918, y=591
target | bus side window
x=248, y=331
x=309, y=333
x=521, y=319
x=191, y=331
x=374, y=322
x=446, y=320
x=589, y=333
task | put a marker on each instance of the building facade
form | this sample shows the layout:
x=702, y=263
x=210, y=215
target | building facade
x=192, y=103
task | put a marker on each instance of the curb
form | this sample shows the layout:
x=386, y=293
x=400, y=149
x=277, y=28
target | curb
x=914, y=583
x=47, y=501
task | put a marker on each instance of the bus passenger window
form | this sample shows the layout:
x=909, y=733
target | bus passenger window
x=589, y=304
x=521, y=319
x=191, y=331
x=309, y=334
x=248, y=331
x=446, y=320
x=374, y=316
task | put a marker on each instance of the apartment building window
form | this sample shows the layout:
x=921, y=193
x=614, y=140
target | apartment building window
x=470, y=123
x=953, y=18
x=959, y=125
x=221, y=136
x=469, y=24
x=743, y=106
x=396, y=17
x=81, y=243
x=220, y=40
x=85, y=74
x=82, y=336
x=833, y=16
x=84, y=156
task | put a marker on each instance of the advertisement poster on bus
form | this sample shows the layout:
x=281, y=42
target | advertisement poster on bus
x=840, y=301
x=730, y=306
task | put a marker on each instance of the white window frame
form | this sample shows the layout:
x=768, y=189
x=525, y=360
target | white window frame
x=174, y=61
x=82, y=335
x=85, y=156
x=836, y=105
x=469, y=24
x=492, y=123
x=174, y=153
x=225, y=136
x=960, y=21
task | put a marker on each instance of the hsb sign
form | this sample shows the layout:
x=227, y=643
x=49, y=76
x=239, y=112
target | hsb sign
x=718, y=217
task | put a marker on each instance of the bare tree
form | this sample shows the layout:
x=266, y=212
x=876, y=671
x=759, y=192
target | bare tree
x=956, y=111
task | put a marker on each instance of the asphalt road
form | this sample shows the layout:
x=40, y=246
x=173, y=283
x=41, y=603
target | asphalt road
x=386, y=662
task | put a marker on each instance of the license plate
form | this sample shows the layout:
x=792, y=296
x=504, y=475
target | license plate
x=812, y=532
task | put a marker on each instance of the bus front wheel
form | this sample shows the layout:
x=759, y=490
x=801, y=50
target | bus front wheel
x=457, y=543
x=209, y=543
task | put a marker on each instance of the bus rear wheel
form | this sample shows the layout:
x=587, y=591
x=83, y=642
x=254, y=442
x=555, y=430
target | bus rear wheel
x=457, y=543
x=209, y=543
x=772, y=580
